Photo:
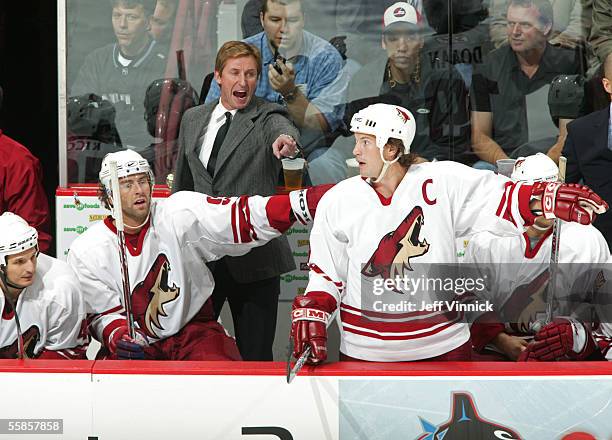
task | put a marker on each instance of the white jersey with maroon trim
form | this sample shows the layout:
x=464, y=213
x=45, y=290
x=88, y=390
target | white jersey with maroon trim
x=519, y=275
x=51, y=315
x=359, y=240
x=169, y=279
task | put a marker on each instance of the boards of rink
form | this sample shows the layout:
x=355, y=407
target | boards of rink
x=220, y=400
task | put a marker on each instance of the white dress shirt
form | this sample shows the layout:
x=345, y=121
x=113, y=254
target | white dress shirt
x=217, y=119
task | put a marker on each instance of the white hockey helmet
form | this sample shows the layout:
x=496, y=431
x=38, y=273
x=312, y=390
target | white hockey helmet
x=128, y=162
x=535, y=168
x=16, y=236
x=385, y=121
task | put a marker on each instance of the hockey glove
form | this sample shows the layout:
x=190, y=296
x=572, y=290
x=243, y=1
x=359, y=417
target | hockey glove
x=570, y=202
x=304, y=202
x=563, y=339
x=124, y=347
x=309, y=317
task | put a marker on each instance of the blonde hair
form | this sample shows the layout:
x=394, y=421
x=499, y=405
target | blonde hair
x=236, y=49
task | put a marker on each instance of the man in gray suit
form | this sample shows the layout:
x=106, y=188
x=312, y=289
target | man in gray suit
x=231, y=147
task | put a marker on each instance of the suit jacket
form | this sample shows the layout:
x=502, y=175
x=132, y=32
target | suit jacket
x=589, y=159
x=245, y=166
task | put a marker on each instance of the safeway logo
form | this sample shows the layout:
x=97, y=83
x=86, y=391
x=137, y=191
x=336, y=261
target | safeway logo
x=399, y=12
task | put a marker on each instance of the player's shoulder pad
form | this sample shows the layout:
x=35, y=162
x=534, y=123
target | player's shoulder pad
x=92, y=239
x=59, y=282
x=582, y=237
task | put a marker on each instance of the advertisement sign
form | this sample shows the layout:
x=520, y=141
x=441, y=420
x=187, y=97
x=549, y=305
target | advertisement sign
x=215, y=407
x=198, y=400
x=294, y=283
x=77, y=209
x=476, y=408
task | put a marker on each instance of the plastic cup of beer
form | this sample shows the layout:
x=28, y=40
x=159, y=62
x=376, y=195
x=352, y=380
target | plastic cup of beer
x=293, y=170
x=505, y=167
x=352, y=167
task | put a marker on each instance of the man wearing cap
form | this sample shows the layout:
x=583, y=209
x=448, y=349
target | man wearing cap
x=403, y=76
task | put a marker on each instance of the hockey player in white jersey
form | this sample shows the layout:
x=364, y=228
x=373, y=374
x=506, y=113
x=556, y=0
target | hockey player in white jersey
x=519, y=268
x=373, y=232
x=43, y=313
x=169, y=241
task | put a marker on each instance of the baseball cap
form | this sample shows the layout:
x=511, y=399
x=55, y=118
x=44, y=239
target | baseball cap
x=401, y=12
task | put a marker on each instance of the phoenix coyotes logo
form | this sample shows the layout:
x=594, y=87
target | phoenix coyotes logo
x=391, y=259
x=527, y=304
x=151, y=295
x=402, y=114
x=466, y=424
x=30, y=338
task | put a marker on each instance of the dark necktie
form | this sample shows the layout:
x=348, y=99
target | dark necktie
x=221, y=133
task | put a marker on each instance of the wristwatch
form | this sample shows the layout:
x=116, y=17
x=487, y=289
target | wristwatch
x=290, y=97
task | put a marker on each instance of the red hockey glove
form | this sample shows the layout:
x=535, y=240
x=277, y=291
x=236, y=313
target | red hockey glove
x=563, y=339
x=125, y=347
x=309, y=318
x=304, y=202
x=570, y=202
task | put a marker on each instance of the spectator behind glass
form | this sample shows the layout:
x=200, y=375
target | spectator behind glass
x=359, y=21
x=320, y=18
x=165, y=103
x=569, y=24
x=162, y=21
x=588, y=149
x=601, y=32
x=22, y=191
x=307, y=77
x=403, y=76
x=510, y=114
x=471, y=43
x=121, y=72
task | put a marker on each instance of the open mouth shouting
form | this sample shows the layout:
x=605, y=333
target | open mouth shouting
x=241, y=97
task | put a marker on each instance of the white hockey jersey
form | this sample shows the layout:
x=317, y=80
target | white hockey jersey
x=519, y=275
x=168, y=276
x=51, y=315
x=361, y=245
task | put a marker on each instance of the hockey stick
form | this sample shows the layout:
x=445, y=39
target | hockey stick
x=20, y=347
x=554, y=251
x=554, y=261
x=292, y=372
x=125, y=277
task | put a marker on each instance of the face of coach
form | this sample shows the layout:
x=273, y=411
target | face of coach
x=237, y=70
